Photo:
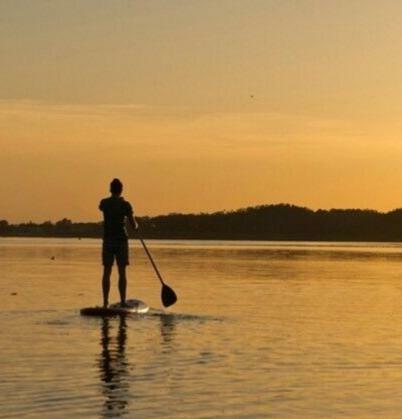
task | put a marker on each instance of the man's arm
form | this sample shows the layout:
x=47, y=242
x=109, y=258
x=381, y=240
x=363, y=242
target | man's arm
x=132, y=221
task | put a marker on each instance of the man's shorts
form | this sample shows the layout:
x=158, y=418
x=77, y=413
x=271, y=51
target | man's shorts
x=115, y=249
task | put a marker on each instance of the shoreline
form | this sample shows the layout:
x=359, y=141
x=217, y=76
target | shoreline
x=235, y=240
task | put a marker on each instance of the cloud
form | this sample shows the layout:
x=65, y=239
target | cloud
x=173, y=133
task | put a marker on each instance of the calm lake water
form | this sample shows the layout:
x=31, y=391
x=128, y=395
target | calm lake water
x=261, y=329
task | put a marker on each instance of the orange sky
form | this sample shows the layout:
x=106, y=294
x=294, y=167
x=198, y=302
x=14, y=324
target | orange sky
x=199, y=105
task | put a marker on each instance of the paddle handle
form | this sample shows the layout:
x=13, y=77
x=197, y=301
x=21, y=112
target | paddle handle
x=151, y=260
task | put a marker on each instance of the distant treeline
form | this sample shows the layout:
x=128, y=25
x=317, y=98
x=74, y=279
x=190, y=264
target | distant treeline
x=265, y=222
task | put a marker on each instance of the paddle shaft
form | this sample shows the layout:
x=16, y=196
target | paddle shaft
x=151, y=260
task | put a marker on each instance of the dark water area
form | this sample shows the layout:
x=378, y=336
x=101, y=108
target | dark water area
x=261, y=329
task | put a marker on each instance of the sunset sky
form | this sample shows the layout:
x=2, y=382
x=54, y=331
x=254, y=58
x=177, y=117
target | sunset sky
x=199, y=105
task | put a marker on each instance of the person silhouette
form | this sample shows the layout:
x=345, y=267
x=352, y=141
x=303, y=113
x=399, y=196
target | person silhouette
x=116, y=210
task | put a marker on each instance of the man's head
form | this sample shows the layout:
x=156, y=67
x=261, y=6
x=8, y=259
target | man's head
x=116, y=187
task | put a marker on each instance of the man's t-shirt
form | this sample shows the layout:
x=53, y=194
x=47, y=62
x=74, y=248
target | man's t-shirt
x=115, y=210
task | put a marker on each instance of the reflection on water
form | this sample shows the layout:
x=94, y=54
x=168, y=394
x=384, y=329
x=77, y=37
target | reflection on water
x=167, y=325
x=113, y=364
x=114, y=368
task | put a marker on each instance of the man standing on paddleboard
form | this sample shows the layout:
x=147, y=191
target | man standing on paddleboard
x=116, y=210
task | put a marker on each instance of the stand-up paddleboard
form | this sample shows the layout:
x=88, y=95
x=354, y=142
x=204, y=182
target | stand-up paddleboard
x=134, y=307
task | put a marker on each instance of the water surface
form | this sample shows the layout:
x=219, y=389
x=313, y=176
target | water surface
x=261, y=329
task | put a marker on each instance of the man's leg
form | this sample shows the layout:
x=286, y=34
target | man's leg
x=107, y=270
x=122, y=262
x=122, y=283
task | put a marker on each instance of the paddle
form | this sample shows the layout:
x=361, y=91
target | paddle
x=168, y=296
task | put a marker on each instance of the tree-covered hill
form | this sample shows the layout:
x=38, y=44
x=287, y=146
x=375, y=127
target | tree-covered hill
x=265, y=222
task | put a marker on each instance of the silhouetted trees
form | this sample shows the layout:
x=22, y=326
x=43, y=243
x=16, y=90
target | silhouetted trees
x=265, y=222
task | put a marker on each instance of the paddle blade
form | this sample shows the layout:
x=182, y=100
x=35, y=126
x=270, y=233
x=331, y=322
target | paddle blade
x=168, y=296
